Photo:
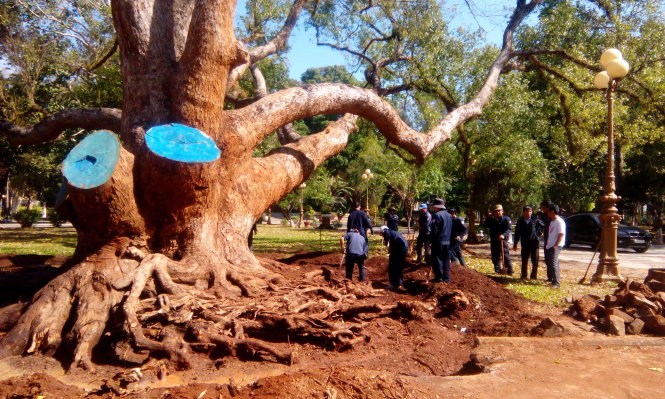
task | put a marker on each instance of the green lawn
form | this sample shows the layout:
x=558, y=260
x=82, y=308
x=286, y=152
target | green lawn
x=288, y=241
x=273, y=238
x=57, y=241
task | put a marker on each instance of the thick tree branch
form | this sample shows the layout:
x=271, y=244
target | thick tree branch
x=277, y=44
x=292, y=164
x=53, y=126
x=292, y=104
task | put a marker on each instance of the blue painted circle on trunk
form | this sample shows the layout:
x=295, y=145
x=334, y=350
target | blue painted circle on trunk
x=92, y=161
x=181, y=143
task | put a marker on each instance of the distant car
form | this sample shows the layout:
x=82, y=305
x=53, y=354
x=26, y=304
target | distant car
x=584, y=228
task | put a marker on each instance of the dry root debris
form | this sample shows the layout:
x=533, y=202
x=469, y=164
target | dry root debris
x=150, y=315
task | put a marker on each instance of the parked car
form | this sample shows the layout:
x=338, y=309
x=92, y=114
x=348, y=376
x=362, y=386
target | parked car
x=584, y=228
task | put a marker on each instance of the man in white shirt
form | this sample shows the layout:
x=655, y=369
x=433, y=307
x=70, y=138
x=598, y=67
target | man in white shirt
x=556, y=237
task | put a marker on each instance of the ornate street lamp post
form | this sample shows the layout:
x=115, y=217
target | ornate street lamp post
x=615, y=69
x=367, y=176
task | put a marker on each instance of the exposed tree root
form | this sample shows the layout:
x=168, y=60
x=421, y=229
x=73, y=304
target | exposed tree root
x=152, y=311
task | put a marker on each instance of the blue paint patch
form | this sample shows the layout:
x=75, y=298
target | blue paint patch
x=92, y=162
x=181, y=143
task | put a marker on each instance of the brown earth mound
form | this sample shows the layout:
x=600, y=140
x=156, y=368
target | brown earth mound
x=438, y=341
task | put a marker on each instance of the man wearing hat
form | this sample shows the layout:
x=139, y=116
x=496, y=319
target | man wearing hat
x=440, y=233
x=392, y=220
x=499, y=226
x=397, y=249
x=457, y=234
x=424, y=228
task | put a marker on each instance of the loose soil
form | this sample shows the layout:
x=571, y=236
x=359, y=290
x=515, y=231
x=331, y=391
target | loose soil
x=440, y=355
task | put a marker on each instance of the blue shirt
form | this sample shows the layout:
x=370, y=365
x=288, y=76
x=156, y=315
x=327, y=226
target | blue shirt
x=397, y=242
x=442, y=225
x=355, y=243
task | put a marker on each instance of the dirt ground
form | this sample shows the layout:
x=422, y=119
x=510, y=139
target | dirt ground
x=476, y=343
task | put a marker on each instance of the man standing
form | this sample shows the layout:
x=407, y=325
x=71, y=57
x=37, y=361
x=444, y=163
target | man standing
x=527, y=229
x=392, y=220
x=397, y=249
x=555, y=238
x=424, y=228
x=499, y=226
x=457, y=236
x=355, y=253
x=358, y=220
x=441, y=230
x=542, y=215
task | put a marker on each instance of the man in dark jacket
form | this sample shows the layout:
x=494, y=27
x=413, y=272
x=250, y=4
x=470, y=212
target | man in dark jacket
x=358, y=220
x=499, y=226
x=457, y=236
x=397, y=249
x=392, y=220
x=424, y=228
x=527, y=230
x=441, y=229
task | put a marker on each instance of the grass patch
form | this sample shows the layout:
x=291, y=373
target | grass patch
x=539, y=290
x=291, y=240
x=59, y=241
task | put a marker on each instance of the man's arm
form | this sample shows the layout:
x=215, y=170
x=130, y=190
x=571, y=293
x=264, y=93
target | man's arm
x=341, y=243
x=506, y=231
x=558, y=240
x=518, y=233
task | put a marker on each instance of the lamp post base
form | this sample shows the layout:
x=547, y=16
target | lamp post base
x=607, y=270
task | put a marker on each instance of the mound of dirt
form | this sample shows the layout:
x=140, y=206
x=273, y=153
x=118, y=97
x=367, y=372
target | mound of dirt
x=438, y=342
x=496, y=311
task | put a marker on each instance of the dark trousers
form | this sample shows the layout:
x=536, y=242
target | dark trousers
x=496, y=246
x=552, y=262
x=441, y=261
x=352, y=260
x=396, y=261
x=421, y=241
x=530, y=250
x=456, y=252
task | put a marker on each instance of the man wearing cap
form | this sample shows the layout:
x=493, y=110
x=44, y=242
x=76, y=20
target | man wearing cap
x=499, y=226
x=397, y=249
x=527, y=230
x=440, y=233
x=392, y=220
x=424, y=228
x=457, y=235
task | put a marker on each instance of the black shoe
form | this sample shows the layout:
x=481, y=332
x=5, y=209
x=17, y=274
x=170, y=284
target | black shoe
x=436, y=280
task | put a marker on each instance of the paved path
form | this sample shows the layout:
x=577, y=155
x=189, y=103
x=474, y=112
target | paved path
x=576, y=258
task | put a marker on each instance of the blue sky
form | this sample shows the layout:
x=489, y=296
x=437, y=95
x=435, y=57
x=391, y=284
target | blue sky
x=490, y=15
